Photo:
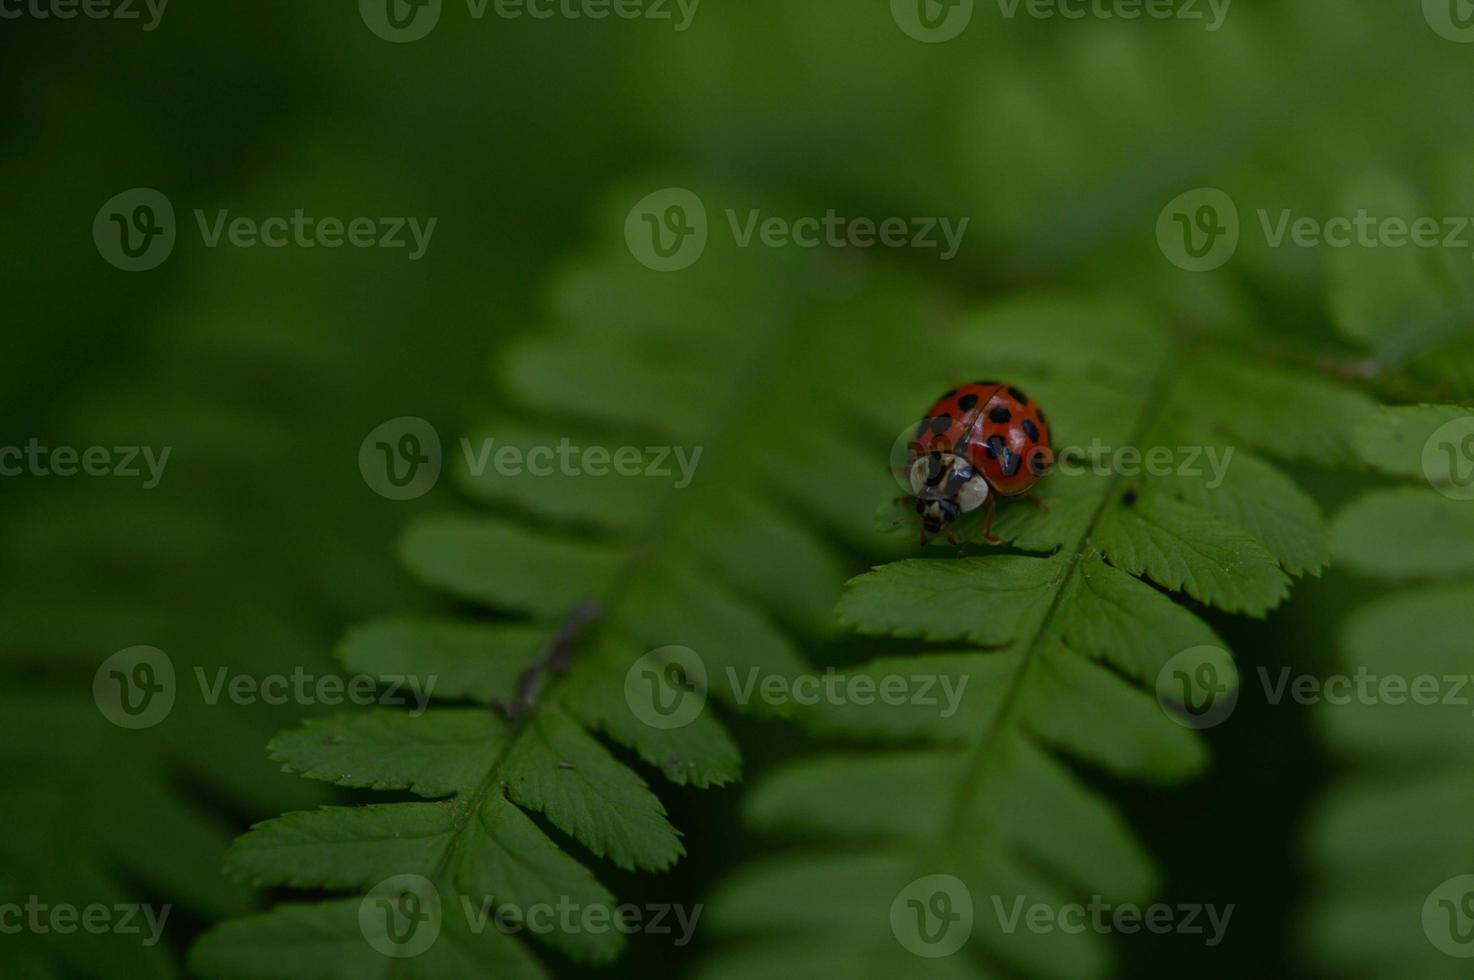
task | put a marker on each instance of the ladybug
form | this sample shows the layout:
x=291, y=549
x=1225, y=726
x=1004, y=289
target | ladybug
x=983, y=436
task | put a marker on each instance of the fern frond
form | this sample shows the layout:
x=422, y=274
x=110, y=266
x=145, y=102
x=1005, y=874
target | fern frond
x=743, y=387
x=989, y=795
x=98, y=815
x=1411, y=307
x=1103, y=127
x=1389, y=840
x=1390, y=843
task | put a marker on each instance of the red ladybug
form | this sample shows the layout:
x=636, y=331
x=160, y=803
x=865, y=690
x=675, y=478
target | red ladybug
x=981, y=436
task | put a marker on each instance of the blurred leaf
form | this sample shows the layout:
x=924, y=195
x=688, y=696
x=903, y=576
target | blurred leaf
x=646, y=441
x=1392, y=836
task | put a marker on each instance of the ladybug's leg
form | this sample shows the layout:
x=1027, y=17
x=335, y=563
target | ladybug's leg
x=1038, y=502
x=988, y=534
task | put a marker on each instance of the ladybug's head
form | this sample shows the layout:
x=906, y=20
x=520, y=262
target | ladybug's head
x=945, y=486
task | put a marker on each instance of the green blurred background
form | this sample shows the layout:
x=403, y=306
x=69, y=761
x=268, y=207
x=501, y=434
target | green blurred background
x=1060, y=139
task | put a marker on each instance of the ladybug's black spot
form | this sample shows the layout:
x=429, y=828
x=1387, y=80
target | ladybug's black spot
x=941, y=424
x=1031, y=430
x=1042, y=419
x=998, y=449
x=1000, y=415
x=1038, y=462
x=966, y=402
x=1018, y=396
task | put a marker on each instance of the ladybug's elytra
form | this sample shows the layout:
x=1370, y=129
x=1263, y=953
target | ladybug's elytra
x=980, y=437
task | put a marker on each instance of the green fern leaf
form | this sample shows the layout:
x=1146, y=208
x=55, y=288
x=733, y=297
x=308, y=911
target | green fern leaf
x=1070, y=638
x=1390, y=843
x=1403, y=304
x=721, y=416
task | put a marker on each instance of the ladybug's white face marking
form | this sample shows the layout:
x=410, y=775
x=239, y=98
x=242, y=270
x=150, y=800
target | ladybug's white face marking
x=938, y=476
x=974, y=494
x=945, y=486
x=919, y=472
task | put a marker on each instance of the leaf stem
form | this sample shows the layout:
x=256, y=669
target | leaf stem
x=957, y=816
